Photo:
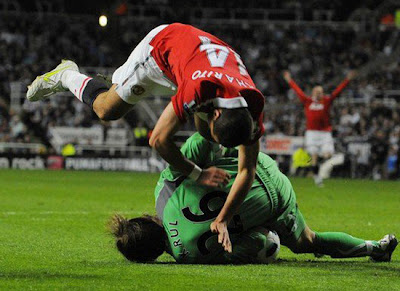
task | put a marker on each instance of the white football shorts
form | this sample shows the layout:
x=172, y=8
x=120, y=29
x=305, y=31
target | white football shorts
x=319, y=142
x=140, y=77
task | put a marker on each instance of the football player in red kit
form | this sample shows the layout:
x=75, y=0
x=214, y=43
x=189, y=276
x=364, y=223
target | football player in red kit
x=318, y=137
x=205, y=77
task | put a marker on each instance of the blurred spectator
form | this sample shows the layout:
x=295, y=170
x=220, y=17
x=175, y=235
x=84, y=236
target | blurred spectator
x=68, y=150
x=392, y=169
x=140, y=133
x=379, y=151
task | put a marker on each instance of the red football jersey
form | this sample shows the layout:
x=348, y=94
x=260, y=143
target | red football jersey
x=318, y=112
x=204, y=68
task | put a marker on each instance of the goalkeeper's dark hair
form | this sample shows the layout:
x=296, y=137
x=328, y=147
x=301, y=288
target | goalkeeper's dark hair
x=140, y=239
x=233, y=127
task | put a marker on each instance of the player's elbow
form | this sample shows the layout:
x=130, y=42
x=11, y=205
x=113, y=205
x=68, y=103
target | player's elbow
x=152, y=141
x=156, y=141
x=248, y=173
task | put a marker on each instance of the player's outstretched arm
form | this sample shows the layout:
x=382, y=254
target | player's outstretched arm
x=246, y=173
x=162, y=140
x=300, y=93
x=350, y=76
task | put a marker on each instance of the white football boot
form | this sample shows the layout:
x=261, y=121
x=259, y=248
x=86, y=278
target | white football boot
x=50, y=83
x=319, y=182
x=388, y=245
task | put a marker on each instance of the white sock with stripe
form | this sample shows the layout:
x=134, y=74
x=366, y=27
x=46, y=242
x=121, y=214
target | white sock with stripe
x=75, y=82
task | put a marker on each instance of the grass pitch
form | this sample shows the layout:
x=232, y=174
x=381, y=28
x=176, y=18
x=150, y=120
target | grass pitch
x=53, y=236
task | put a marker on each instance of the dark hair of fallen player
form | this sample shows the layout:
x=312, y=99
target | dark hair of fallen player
x=140, y=239
x=233, y=127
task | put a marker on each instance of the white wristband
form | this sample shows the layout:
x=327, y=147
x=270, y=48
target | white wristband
x=195, y=173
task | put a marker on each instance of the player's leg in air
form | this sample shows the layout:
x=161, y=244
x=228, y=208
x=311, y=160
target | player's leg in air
x=109, y=100
x=297, y=236
x=329, y=163
x=327, y=150
x=105, y=101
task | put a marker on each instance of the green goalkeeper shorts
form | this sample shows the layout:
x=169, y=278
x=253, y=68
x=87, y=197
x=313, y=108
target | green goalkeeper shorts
x=288, y=222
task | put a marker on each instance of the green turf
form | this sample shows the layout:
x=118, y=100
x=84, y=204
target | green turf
x=53, y=236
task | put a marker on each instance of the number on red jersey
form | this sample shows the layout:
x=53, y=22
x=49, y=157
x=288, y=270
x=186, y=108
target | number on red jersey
x=218, y=59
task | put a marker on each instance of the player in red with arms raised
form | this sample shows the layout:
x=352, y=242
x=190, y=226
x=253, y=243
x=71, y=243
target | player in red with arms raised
x=318, y=137
x=205, y=76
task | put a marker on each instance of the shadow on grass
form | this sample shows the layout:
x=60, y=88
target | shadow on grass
x=341, y=265
x=122, y=262
x=366, y=266
x=320, y=264
x=45, y=275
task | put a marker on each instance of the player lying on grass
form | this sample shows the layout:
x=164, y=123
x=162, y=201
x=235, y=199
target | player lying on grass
x=186, y=209
x=204, y=75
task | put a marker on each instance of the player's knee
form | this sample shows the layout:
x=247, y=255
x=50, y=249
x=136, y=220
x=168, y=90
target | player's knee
x=105, y=113
x=105, y=110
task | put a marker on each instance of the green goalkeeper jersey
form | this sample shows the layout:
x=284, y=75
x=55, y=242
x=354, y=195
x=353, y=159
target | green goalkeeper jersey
x=187, y=208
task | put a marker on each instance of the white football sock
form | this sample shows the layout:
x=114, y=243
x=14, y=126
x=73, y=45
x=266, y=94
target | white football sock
x=326, y=168
x=75, y=82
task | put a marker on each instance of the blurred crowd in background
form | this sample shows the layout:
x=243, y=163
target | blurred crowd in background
x=314, y=55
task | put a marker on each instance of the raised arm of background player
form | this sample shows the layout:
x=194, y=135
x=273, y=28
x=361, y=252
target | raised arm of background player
x=299, y=92
x=304, y=98
x=350, y=76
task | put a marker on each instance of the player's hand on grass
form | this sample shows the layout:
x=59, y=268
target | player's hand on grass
x=287, y=76
x=213, y=177
x=221, y=228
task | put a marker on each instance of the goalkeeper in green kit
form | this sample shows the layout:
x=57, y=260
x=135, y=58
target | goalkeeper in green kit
x=186, y=209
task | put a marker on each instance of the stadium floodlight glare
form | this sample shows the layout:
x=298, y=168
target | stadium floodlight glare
x=103, y=20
